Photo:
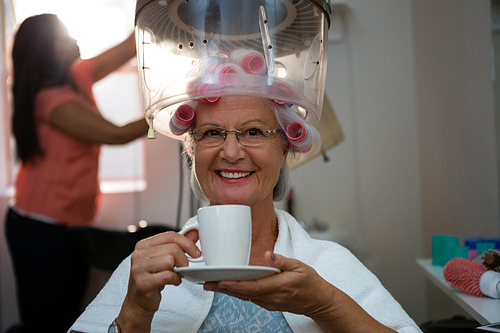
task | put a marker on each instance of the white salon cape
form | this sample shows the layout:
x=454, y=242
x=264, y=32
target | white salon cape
x=184, y=308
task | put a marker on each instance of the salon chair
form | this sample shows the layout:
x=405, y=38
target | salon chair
x=105, y=249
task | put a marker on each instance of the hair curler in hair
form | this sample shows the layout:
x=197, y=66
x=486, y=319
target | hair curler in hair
x=224, y=69
x=279, y=102
x=296, y=132
x=472, y=277
x=210, y=99
x=200, y=88
x=282, y=89
x=209, y=64
x=251, y=61
x=227, y=73
x=182, y=119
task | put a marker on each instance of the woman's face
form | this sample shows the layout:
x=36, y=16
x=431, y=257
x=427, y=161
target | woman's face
x=232, y=173
x=66, y=50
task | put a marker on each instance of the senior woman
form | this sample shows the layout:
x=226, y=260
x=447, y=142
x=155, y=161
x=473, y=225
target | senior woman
x=241, y=83
x=239, y=158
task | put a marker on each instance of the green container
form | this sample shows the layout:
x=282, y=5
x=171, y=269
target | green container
x=484, y=246
x=443, y=249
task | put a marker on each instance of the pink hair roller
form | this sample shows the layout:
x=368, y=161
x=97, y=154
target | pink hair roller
x=225, y=71
x=296, y=132
x=200, y=88
x=251, y=61
x=223, y=75
x=182, y=119
x=283, y=89
x=210, y=99
x=215, y=65
x=209, y=64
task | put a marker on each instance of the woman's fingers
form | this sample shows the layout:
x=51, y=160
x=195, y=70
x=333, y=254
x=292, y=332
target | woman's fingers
x=186, y=243
x=154, y=260
x=152, y=266
x=295, y=289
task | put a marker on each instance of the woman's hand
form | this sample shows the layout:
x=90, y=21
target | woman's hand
x=152, y=267
x=300, y=289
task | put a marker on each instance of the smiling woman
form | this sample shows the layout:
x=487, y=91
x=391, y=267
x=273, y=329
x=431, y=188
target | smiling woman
x=259, y=174
x=218, y=89
x=309, y=294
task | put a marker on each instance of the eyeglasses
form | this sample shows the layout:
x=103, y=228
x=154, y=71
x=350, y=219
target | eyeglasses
x=213, y=136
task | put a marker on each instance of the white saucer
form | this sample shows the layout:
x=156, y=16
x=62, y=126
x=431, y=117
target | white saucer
x=217, y=273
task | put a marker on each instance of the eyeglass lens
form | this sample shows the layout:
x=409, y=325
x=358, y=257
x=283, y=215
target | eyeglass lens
x=247, y=136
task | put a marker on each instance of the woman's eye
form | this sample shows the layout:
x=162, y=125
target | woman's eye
x=253, y=132
x=212, y=132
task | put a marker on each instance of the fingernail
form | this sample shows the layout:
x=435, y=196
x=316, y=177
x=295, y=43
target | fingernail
x=273, y=256
x=208, y=288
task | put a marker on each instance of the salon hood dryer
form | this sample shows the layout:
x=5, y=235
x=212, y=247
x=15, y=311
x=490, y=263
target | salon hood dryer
x=200, y=50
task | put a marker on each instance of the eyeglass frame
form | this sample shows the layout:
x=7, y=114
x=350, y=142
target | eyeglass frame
x=237, y=132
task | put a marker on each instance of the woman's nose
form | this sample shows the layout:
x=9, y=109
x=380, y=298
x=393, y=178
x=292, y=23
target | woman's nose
x=232, y=150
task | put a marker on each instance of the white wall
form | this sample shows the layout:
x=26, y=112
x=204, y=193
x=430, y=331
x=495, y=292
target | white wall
x=411, y=86
x=456, y=117
x=456, y=121
x=370, y=188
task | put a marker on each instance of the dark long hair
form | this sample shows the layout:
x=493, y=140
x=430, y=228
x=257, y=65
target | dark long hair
x=35, y=67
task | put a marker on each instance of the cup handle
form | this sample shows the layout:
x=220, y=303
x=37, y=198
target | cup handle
x=183, y=232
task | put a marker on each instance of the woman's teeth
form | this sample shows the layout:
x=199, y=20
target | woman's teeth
x=234, y=175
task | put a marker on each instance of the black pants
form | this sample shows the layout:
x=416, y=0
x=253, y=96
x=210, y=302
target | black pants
x=51, y=275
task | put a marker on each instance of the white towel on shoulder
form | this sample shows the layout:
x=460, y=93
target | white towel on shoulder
x=184, y=308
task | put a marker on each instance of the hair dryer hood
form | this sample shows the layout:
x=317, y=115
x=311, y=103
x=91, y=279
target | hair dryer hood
x=205, y=49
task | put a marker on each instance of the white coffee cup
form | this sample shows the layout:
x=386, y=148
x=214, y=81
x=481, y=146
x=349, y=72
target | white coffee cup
x=225, y=233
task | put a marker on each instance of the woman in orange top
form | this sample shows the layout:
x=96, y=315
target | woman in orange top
x=58, y=131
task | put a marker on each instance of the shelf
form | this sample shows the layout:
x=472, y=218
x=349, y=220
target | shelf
x=483, y=309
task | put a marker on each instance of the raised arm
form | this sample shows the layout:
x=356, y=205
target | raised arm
x=78, y=121
x=114, y=58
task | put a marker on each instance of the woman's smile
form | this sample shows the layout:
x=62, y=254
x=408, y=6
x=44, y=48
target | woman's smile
x=233, y=175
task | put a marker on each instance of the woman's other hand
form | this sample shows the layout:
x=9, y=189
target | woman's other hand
x=152, y=267
x=300, y=289
x=297, y=289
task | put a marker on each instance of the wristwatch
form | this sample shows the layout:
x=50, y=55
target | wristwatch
x=114, y=328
